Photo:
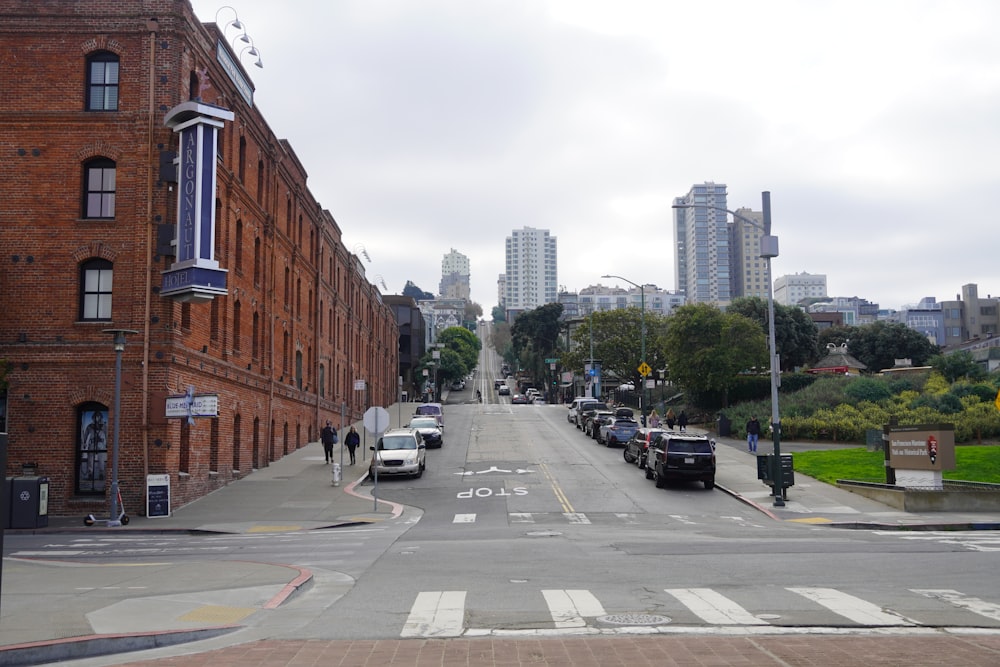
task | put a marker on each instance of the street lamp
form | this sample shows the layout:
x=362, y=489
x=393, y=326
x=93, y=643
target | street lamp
x=643, y=366
x=768, y=250
x=115, y=517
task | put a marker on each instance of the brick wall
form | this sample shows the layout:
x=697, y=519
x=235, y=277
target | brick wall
x=59, y=363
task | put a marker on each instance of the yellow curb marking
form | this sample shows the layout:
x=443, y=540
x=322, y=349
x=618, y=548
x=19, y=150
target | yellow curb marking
x=217, y=614
x=817, y=519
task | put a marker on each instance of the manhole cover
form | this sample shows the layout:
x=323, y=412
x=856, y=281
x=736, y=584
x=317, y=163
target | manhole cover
x=633, y=619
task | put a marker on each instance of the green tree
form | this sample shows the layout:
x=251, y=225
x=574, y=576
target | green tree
x=473, y=311
x=707, y=349
x=465, y=343
x=498, y=314
x=879, y=344
x=415, y=292
x=534, y=336
x=617, y=337
x=795, y=334
x=957, y=365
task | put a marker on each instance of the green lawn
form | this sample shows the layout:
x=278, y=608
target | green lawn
x=973, y=463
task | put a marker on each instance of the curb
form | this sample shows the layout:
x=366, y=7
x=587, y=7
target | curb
x=91, y=646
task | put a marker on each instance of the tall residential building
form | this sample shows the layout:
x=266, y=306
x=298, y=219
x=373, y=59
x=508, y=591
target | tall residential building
x=702, y=245
x=751, y=274
x=454, y=276
x=793, y=289
x=531, y=279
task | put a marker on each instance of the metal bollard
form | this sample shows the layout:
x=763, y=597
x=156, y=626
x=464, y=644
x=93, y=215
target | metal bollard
x=336, y=474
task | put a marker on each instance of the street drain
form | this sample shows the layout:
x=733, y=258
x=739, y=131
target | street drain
x=633, y=619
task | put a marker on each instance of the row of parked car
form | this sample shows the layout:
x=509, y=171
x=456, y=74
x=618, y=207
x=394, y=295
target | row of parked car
x=403, y=451
x=664, y=455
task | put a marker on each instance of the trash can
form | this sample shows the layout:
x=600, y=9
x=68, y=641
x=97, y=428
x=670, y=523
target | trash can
x=336, y=474
x=29, y=502
x=725, y=426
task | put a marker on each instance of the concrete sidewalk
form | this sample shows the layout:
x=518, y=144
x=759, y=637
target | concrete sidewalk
x=44, y=619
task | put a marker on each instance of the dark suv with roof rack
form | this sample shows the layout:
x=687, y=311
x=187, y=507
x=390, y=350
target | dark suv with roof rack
x=675, y=456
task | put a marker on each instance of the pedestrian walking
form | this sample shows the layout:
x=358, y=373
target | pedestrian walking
x=654, y=419
x=352, y=440
x=671, y=418
x=753, y=434
x=328, y=436
x=682, y=421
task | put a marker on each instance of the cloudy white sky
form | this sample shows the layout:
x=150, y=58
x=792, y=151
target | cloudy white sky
x=427, y=125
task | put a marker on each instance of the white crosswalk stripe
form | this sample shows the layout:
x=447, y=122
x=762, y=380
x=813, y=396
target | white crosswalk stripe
x=714, y=608
x=973, y=604
x=973, y=540
x=570, y=609
x=436, y=614
x=848, y=606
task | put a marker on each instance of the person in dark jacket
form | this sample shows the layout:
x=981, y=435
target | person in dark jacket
x=328, y=436
x=352, y=440
x=753, y=433
x=682, y=421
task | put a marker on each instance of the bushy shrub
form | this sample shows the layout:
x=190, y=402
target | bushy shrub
x=984, y=392
x=793, y=382
x=936, y=384
x=867, y=389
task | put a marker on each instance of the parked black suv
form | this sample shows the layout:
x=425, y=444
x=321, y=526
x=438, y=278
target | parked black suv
x=638, y=445
x=681, y=456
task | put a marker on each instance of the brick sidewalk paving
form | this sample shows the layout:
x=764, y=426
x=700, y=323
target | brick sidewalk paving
x=680, y=650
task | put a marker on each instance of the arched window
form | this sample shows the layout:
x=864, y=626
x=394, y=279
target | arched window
x=91, y=448
x=102, y=82
x=239, y=246
x=256, y=261
x=96, y=277
x=255, y=342
x=243, y=159
x=99, y=184
x=237, y=309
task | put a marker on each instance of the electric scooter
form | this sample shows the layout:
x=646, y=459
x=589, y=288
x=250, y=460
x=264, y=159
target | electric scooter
x=121, y=520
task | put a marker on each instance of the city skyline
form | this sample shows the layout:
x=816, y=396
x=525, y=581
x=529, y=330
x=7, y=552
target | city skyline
x=440, y=124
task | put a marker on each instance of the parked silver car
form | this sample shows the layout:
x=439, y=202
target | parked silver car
x=399, y=451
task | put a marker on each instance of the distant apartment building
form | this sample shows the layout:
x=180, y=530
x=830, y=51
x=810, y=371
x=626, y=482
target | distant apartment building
x=530, y=279
x=454, y=276
x=597, y=298
x=927, y=317
x=855, y=311
x=792, y=290
x=969, y=317
x=702, y=245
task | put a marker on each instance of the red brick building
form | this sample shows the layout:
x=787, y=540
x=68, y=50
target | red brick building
x=88, y=227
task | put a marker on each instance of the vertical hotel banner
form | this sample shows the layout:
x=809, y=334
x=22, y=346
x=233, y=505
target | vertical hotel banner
x=195, y=276
x=922, y=447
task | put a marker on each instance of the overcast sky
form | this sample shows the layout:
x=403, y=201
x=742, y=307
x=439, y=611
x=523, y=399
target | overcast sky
x=427, y=125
